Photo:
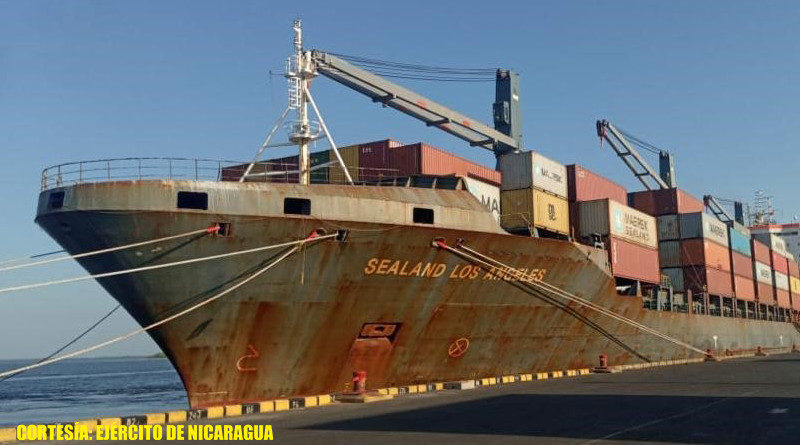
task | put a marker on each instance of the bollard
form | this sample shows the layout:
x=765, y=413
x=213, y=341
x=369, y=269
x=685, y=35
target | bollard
x=794, y=348
x=760, y=352
x=360, y=381
x=710, y=356
x=603, y=368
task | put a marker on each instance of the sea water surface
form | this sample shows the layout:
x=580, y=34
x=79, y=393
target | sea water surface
x=89, y=388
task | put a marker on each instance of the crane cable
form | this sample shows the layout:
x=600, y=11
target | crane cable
x=567, y=295
x=208, y=230
x=297, y=246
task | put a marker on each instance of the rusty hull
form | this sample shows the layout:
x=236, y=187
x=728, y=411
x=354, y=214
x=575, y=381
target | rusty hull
x=336, y=307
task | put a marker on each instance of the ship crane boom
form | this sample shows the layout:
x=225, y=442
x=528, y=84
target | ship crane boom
x=433, y=114
x=619, y=142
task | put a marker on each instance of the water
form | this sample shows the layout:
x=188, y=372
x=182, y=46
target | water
x=88, y=388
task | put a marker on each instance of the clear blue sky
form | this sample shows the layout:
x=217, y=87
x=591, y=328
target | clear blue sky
x=716, y=82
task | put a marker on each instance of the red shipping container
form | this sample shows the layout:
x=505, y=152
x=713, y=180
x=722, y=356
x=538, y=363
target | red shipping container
x=633, y=261
x=376, y=155
x=796, y=302
x=744, y=288
x=794, y=269
x=742, y=264
x=703, y=252
x=705, y=279
x=422, y=159
x=783, y=298
x=664, y=202
x=779, y=262
x=765, y=293
x=586, y=185
x=760, y=251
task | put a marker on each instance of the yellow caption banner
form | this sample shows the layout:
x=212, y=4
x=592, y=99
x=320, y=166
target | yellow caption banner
x=79, y=431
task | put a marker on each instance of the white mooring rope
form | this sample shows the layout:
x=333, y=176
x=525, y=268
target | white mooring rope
x=212, y=229
x=298, y=244
x=144, y=268
x=547, y=287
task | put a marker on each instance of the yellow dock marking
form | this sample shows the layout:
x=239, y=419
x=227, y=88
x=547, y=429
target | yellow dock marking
x=438, y=386
x=422, y=388
x=8, y=434
x=281, y=404
x=156, y=418
x=324, y=399
x=412, y=389
x=542, y=376
x=214, y=412
x=91, y=424
x=310, y=401
x=266, y=407
x=110, y=421
x=557, y=374
x=526, y=377
x=176, y=416
x=233, y=410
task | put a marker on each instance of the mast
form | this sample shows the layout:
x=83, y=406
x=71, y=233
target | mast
x=299, y=72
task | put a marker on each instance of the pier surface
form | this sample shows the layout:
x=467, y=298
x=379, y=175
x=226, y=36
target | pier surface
x=752, y=400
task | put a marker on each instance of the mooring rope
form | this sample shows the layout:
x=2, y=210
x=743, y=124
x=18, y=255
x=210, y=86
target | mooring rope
x=547, y=287
x=211, y=229
x=297, y=245
x=144, y=268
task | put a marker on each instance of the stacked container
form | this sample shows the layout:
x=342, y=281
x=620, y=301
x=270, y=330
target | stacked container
x=694, y=253
x=664, y=202
x=763, y=273
x=423, y=159
x=794, y=283
x=585, y=185
x=533, y=193
x=780, y=267
x=741, y=262
x=629, y=234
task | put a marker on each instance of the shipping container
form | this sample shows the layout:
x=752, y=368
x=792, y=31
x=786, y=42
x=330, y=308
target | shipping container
x=765, y=293
x=781, y=281
x=633, y=261
x=669, y=228
x=528, y=169
x=487, y=194
x=760, y=251
x=674, y=277
x=664, y=202
x=705, y=279
x=610, y=218
x=744, y=288
x=739, y=239
x=779, y=262
x=585, y=185
x=782, y=298
x=350, y=157
x=794, y=287
x=669, y=253
x=423, y=159
x=703, y=225
x=763, y=273
x=376, y=155
x=703, y=252
x=774, y=242
x=742, y=265
x=794, y=269
x=522, y=208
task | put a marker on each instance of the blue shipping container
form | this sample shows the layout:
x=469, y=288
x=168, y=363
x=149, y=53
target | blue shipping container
x=740, y=242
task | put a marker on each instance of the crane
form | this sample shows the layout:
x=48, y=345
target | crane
x=619, y=141
x=304, y=65
x=714, y=205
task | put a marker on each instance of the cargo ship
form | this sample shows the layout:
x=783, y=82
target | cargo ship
x=441, y=269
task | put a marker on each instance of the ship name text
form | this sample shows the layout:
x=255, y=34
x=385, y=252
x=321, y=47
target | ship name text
x=404, y=268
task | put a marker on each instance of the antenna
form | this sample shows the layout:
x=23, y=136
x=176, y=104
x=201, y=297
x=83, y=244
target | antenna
x=763, y=210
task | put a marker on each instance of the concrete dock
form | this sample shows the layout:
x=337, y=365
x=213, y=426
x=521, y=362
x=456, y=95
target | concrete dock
x=752, y=400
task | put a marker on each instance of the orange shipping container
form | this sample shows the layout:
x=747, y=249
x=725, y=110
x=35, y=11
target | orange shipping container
x=760, y=251
x=702, y=252
x=629, y=260
x=423, y=159
x=745, y=288
x=742, y=265
x=705, y=279
x=783, y=298
x=765, y=293
x=664, y=202
x=779, y=262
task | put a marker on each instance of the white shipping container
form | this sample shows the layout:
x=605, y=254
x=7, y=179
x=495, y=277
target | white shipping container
x=669, y=253
x=763, y=272
x=668, y=228
x=487, y=194
x=675, y=275
x=530, y=169
x=774, y=242
x=608, y=217
x=781, y=281
x=702, y=225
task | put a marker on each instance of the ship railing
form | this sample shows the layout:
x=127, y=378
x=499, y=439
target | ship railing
x=200, y=169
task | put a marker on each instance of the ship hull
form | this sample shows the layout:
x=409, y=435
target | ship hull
x=383, y=301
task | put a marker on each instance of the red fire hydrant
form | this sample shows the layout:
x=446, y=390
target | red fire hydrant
x=603, y=361
x=360, y=381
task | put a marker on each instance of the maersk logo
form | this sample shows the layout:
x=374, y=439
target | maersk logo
x=716, y=230
x=619, y=224
x=543, y=171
